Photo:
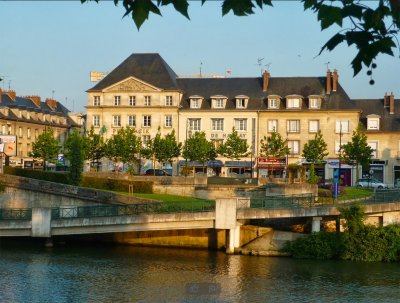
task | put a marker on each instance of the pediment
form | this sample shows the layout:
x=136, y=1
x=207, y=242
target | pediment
x=131, y=85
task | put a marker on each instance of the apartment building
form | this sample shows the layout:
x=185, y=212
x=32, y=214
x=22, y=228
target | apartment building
x=23, y=119
x=143, y=92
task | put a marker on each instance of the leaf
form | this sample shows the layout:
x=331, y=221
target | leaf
x=329, y=15
x=260, y=3
x=239, y=8
x=356, y=64
x=353, y=10
x=309, y=4
x=333, y=42
x=140, y=9
x=179, y=5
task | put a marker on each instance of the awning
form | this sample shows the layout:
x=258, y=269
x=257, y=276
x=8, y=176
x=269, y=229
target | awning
x=212, y=163
x=239, y=163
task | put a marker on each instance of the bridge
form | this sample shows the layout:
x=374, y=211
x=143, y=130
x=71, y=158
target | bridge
x=223, y=214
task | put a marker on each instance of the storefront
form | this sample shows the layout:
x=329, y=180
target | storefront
x=274, y=167
x=239, y=169
x=319, y=170
x=346, y=171
x=210, y=168
x=396, y=176
x=376, y=170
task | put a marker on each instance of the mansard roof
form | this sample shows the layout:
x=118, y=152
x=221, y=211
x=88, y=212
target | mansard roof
x=150, y=68
x=388, y=122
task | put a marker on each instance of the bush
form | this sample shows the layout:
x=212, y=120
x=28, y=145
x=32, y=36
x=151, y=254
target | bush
x=326, y=193
x=144, y=187
x=320, y=245
x=37, y=174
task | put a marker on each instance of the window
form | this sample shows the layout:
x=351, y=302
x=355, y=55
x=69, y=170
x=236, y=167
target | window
x=294, y=146
x=146, y=140
x=195, y=103
x=3, y=129
x=96, y=100
x=342, y=126
x=293, y=103
x=272, y=103
x=116, y=121
x=339, y=144
x=168, y=121
x=96, y=120
x=241, y=124
x=218, y=103
x=195, y=124
x=217, y=124
x=240, y=103
x=168, y=100
x=313, y=126
x=314, y=103
x=374, y=146
x=9, y=130
x=372, y=123
x=20, y=132
x=272, y=126
x=132, y=100
x=132, y=121
x=217, y=142
x=28, y=115
x=147, y=100
x=28, y=133
x=146, y=121
x=117, y=100
x=293, y=126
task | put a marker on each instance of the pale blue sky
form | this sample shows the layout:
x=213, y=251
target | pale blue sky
x=52, y=46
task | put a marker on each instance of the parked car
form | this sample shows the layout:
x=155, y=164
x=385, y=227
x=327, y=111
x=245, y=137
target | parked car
x=365, y=182
x=158, y=172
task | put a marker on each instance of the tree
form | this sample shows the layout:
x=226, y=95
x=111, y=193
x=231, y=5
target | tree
x=95, y=147
x=124, y=146
x=371, y=27
x=357, y=150
x=274, y=147
x=315, y=151
x=167, y=148
x=45, y=146
x=198, y=148
x=234, y=147
x=74, y=149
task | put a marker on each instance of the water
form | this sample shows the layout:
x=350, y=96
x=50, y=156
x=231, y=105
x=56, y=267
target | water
x=32, y=273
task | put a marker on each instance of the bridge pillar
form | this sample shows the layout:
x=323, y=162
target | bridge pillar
x=225, y=218
x=316, y=224
x=41, y=218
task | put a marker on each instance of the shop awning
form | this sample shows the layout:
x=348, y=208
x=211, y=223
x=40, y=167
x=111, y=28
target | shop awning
x=212, y=163
x=271, y=162
x=239, y=163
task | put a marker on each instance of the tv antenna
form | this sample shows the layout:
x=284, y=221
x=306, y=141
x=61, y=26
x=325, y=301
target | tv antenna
x=259, y=63
x=267, y=66
x=327, y=64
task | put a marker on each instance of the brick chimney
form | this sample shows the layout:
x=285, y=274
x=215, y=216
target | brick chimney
x=266, y=76
x=391, y=110
x=328, y=81
x=386, y=100
x=51, y=103
x=34, y=99
x=11, y=93
x=335, y=80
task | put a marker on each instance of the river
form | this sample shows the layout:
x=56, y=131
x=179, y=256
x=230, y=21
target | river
x=87, y=273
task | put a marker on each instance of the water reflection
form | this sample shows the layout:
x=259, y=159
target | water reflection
x=135, y=274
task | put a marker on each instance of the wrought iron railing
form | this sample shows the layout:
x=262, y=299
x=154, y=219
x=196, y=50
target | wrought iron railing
x=15, y=214
x=131, y=209
x=283, y=201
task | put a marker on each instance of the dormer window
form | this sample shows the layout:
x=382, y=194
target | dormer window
x=241, y=101
x=195, y=101
x=218, y=101
x=373, y=122
x=293, y=101
x=273, y=103
x=314, y=103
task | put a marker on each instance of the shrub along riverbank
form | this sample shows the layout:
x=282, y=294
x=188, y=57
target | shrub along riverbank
x=359, y=242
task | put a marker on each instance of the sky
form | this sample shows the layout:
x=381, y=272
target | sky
x=48, y=48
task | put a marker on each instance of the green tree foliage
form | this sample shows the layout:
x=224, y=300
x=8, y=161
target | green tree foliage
x=124, y=146
x=74, y=150
x=315, y=151
x=95, y=147
x=354, y=216
x=234, y=147
x=198, y=148
x=45, y=146
x=372, y=27
x=358, y=151
x=274, y=147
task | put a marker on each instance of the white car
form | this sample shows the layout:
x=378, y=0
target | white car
x=365, y=182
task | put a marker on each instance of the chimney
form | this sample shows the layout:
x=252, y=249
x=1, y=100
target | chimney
x=328, y=81
x=386, y=101
x=391, y=111
x=335, y=80
x=34, y=99
x=266, y=76
x=51, y=103
x=11, y=93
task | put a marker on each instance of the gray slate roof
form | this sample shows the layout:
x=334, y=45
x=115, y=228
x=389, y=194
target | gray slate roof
x=150, y=68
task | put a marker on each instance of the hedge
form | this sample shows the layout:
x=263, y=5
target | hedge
x=37, y=174
x=144, y=187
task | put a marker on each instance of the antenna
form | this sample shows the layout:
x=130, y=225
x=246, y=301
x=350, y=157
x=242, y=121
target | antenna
x=201, y=64
x=267, y=66
x=52, y=94
x=327, y=64
x=9, y=84
x=259, y=63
